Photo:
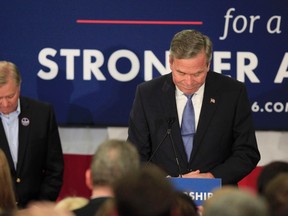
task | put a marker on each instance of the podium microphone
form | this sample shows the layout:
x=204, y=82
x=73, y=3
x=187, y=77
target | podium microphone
x=170, y=123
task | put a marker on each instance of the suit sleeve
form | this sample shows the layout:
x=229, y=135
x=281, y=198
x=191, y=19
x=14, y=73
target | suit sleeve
x=54, y=167
x=244, y=151
x=138, y=132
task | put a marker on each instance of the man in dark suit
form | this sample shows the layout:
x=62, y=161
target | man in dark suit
x=113, y=160
x=30, y=139
x=223, y=143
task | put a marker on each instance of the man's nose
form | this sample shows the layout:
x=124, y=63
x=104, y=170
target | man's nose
x=4, y=102
x=189, y=79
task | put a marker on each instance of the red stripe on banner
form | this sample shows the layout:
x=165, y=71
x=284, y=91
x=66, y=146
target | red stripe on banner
x=74, y=184
x=250, y=181
x=139, y=22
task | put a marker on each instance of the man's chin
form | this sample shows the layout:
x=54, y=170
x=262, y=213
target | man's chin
x=189, y=91
x=6, y=112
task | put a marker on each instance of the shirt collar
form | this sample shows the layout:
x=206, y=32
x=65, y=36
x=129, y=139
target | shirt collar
x=18, y=110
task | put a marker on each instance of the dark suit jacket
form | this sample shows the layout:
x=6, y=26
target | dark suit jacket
x=39, y=171
x=92, y=207
x=224, y=143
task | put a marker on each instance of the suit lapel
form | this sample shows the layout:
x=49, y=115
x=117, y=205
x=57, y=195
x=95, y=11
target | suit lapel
x=24, y=126
x=170, y=108
x=209, y=106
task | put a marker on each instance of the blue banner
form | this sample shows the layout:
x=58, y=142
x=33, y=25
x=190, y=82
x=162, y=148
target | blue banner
x=86, y=57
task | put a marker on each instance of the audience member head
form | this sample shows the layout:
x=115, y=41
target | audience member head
x=7, y=196
x=276, y=194
x=231, y=201
x=145, y=192
x=112, y=160
x=71, y=203
x=185, y=206
x=270, y=171
x=43, y=208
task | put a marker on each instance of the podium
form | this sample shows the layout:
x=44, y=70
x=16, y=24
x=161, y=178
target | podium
x=199, y=189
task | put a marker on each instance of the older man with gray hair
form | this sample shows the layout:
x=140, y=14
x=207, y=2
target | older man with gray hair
x=112, y=160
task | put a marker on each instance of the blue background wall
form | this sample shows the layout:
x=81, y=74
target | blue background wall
x=90, y=70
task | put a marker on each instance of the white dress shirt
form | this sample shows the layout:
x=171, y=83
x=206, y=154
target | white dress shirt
x=11, y=126
x=197, y=99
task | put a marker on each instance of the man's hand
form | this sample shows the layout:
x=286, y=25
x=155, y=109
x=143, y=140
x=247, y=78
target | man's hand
x=197, y=174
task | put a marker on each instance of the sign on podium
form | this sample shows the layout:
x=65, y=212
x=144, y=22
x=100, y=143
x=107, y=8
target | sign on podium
x=199, y=189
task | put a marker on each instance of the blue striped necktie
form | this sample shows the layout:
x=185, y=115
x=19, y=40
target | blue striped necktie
x=188, y=126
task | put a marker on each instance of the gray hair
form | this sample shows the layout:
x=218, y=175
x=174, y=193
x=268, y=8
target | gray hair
x=188, y=43
x=9, y=70
x=234, y=202
x=112, y=160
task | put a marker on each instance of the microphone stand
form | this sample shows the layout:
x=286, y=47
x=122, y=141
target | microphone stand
x=157, y=147
x=175, y=153
x=168, y=133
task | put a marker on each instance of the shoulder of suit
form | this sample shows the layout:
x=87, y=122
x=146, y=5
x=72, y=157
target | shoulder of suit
x=222, y=79
x=158, y=80
x=27, y=101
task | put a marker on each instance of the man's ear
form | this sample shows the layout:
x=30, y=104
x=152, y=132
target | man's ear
x=208, y=66
x=88, y=179
x=170, y=62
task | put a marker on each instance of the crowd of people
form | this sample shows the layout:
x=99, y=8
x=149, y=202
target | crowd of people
x=180, y=125
x=121, y=186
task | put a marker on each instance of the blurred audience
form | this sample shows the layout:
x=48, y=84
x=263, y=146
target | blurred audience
x=112, y=161
x=107, y=209
x=145, y=193
x=185, y=206
x=43, y=208
x=276, y=194
x=270, y=171
x=71, y=203
x=231, y=201
x=7, y=195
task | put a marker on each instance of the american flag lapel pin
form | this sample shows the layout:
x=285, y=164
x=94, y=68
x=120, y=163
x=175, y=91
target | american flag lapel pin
x=212, y=100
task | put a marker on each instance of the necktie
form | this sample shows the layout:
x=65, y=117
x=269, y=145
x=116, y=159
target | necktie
x=188, y=126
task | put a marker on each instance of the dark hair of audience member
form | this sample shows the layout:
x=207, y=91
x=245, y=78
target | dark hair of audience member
x=276, y=195
x=185, y=206
x=144, y=193
x=268, y=172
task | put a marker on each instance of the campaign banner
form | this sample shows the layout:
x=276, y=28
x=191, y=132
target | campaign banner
x=87, y=57
x=198, y=189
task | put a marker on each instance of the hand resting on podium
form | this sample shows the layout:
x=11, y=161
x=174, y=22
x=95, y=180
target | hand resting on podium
x=197, y=174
